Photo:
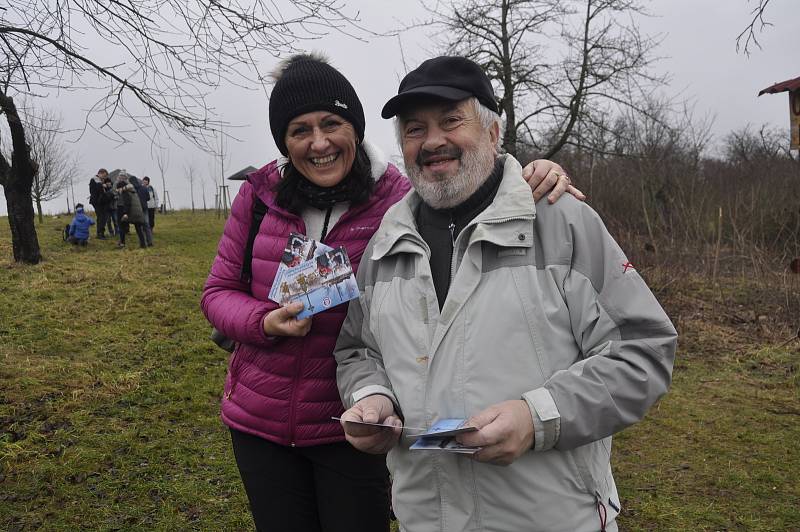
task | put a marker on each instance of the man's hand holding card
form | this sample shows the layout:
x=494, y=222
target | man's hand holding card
x=372, y=425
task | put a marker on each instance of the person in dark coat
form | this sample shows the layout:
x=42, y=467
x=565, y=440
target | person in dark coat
x=99, y=201
x=141, y=191
x=111, y=207
x=129, y=211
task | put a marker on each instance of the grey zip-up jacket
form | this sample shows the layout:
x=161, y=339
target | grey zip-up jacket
x=543, y=306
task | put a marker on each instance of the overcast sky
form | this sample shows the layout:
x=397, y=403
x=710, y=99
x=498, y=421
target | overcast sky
x=698, y=50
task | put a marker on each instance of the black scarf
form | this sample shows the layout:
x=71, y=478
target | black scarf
x=324, y=197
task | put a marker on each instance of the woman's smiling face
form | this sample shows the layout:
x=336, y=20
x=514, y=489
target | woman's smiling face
x=322, y=146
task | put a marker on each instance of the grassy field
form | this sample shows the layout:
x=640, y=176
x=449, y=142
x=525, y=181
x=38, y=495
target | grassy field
x=109, y=397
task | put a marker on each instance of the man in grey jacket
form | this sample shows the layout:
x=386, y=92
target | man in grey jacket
x=526, y=320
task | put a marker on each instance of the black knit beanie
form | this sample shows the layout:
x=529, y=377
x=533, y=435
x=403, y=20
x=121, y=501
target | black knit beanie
x=307, y=83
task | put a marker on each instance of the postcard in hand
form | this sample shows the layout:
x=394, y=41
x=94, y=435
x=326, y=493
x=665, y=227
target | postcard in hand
x=445, y=427
x=367, y=423
x=446, y=444
x=315, y=274
x=441, y=437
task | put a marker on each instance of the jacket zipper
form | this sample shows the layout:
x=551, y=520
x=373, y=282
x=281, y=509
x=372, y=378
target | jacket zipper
x=293, y=399
x=452, y=228
x=295, y=377
x=234, y=380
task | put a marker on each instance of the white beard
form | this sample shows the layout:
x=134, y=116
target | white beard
x=444, y=193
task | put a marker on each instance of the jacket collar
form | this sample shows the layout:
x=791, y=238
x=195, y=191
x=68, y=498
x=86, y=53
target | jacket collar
x=502, y=222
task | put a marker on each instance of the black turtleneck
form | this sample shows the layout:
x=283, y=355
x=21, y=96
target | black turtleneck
x=440, y=227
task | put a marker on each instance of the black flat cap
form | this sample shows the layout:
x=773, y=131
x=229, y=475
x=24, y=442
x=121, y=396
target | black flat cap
x=445, y=77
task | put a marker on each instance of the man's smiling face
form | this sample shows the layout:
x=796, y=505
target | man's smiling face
x=448, y=153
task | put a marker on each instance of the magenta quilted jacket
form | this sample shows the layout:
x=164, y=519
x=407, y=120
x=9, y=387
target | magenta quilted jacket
x=283, y=389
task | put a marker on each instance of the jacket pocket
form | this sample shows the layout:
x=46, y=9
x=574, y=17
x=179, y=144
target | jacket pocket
x=593, y=466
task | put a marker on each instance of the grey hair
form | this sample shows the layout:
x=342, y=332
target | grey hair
x=279, y=70
x=486, y=116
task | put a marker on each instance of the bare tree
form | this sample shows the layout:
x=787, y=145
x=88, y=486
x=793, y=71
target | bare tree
x=169, y=55
x=191, y=176
x=553, y=61
x=757, y=24
x=69, y=191
x=162, y=161
x=56, y=166
x=222, y=191
x=745, y=146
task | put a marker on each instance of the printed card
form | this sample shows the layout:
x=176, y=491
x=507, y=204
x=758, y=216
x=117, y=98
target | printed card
x=441, y=437
x=315, y=274
x=299, y=248
x=351, y=422
x=447, y=444
x=445, y=427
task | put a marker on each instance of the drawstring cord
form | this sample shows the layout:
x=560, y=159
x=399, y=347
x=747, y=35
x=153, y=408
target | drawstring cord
x=325, y=225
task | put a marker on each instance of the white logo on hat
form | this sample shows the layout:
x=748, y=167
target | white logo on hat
x=337, y=103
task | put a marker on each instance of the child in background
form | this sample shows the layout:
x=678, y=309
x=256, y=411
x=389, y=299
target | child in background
x=79, y=227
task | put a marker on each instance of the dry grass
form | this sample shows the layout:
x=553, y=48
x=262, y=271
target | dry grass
x=109, y=396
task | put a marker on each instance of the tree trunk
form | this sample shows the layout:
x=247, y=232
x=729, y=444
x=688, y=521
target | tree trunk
x=577, y=99
x=17, y=181
x=39, y=210
x=508, y=103
x=24, y=240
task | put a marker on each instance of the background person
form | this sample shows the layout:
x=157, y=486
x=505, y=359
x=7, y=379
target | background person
x=113, y=224
x=129, y=211
x=141, y=192
x=280, y=392
x=152, y=202
x=99, y=201
x=79, y=227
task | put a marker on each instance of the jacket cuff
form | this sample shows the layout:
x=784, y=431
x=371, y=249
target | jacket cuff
x=546, y=418
x=374, y=389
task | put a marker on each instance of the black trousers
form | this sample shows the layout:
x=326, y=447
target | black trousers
x=102, y=220
x=124, y=228
x=324, y=488
x=151, y=217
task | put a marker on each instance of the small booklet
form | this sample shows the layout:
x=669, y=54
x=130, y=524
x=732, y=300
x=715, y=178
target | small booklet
x=317, y=275
x=441, y=437
x=449, y=445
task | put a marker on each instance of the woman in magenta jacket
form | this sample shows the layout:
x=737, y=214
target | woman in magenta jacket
x=280, y=392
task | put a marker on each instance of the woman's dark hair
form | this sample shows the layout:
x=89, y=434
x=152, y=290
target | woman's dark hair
x=356, y=187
